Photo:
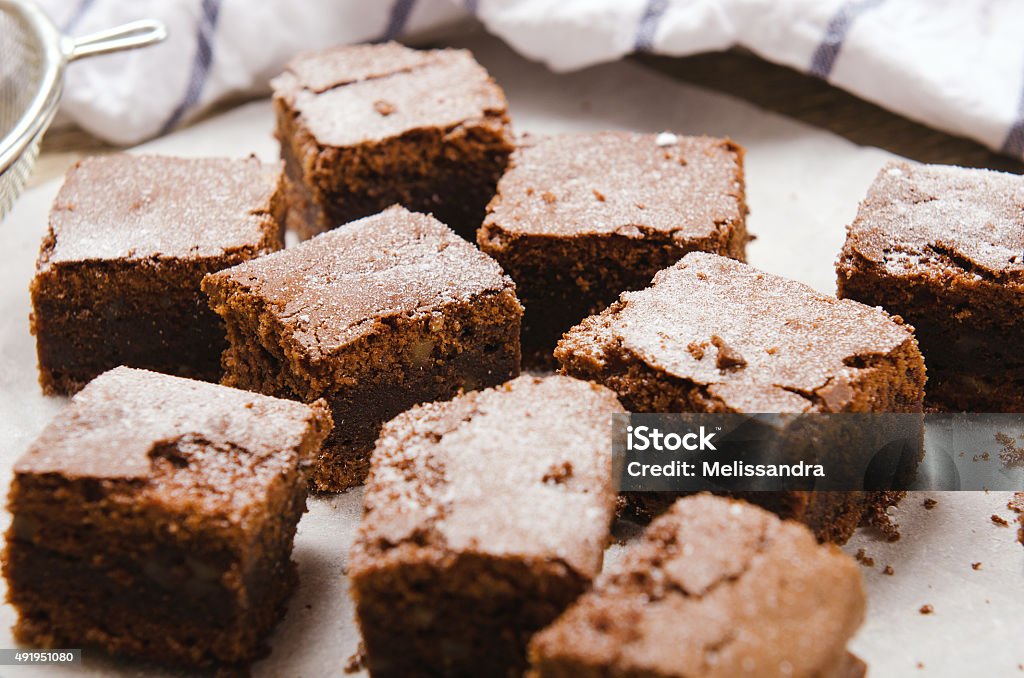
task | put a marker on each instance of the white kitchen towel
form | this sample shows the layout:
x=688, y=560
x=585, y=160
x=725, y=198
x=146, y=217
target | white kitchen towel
x=957, y=66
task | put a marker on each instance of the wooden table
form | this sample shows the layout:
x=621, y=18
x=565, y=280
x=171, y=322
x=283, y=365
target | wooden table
x=774, y=88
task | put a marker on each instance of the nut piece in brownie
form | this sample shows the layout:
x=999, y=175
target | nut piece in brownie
x=944, y=248
x=715, y=335
x=130, y=239
x=388, y=312
x=154, y=517
x=485, y=516
x=580, y=218
x=367, y=126
x=715, y=588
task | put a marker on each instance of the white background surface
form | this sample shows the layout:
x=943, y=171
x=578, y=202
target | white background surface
x=803, y=187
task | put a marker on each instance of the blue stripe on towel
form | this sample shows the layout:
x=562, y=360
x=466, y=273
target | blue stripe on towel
x=824, y=58
x=205, y=29
x=81, y=10
x=397, y=19
x=647, y=29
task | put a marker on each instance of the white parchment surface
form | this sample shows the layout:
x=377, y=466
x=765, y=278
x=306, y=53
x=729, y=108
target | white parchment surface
x=803, y=187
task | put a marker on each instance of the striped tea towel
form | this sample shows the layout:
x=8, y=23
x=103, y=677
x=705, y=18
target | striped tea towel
x=957, y=66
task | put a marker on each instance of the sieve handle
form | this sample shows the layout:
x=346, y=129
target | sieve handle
x=127, y=36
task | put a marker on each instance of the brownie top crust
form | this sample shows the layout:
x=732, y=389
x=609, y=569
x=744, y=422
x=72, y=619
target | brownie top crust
x=942, y=218
x=367, y=93
x=340, y=285
x=756, y=341
x=139, y=207
x=519, y=470
x=716, y=587
x=619, y=183
x=123, y=420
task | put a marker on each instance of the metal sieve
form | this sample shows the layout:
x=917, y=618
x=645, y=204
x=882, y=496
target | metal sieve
x=33, y=56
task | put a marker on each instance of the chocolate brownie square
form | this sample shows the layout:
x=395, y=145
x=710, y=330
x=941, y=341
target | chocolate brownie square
x=715, y=335
x=580, y=218
x=154, y=517
x=390, y=311
x=714, y=588
x=485, y=516
x=944, y=248
x=130, y=239
x=367, y=126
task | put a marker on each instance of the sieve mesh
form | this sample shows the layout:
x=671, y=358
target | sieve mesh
x=21, y=75
x=33, y=55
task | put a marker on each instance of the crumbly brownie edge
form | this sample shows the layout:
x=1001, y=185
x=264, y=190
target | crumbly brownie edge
x=987, y=373
x=468, y=596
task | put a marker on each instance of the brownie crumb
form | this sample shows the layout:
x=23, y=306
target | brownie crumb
x=548, y=197
x=864, y=559
x=727, y=356
x=696, y=350
x=772, y=351
x=558, y=473
x=930, y=503
x=1011, y=454
x=926, y=609
x=599, y=195
x=975, y=566
x=888, y=570
x=357, y=661
x=999, y=520
x=383, y=107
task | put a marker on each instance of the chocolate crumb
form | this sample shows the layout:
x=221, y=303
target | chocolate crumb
x=548, y=197
x=888, y=570
x=926, y=609
x=1000, y=521
x=599, y=195
x=727, y=356
x=1011, y=454
x=356, y=662
x=695, y=350
x=383, y=107
x=558, y=473
x=975, y=566
x=864, y=559
x=930, y=503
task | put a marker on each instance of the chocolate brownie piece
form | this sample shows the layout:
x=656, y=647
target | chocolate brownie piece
x=944, y=248
x=484, y=517
x=130, y=239
x=367, y=126
x=712, y=588
x=390, y=311
x=154, y=517
x=715, y=335
x=580, y=218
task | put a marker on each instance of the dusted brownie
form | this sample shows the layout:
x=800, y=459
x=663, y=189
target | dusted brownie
x=390, y=311
x=715, y=335
x=154, y=517
x=944, y=248
x=130, y=239
x=580, y=218
x=367, y=126
x=484, y=517
x=713, y=588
